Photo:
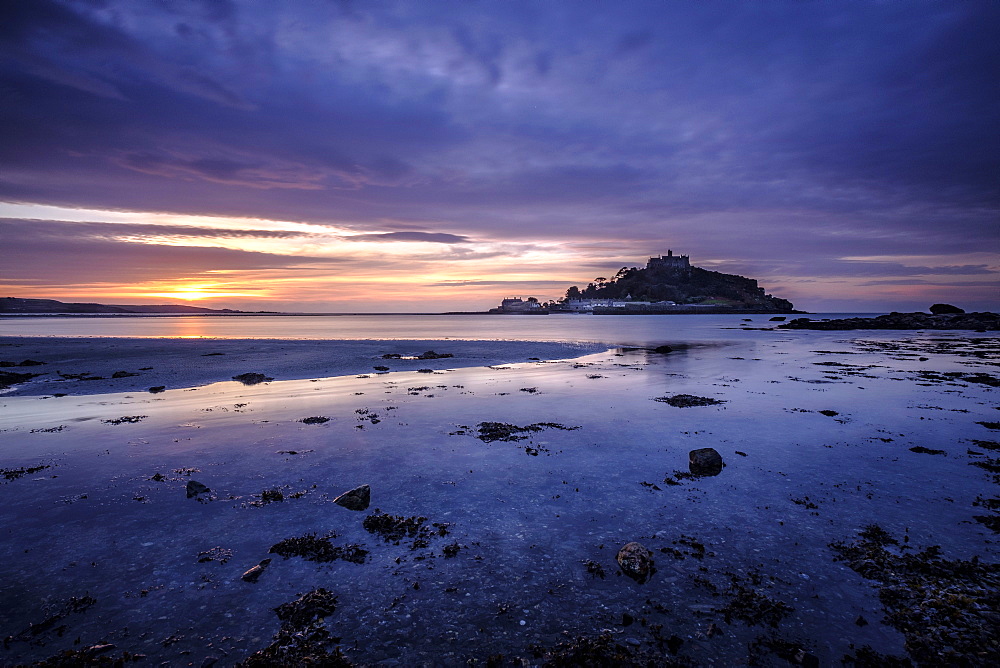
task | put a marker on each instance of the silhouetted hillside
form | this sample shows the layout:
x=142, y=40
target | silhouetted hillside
x=682, y=284
x=19, y=305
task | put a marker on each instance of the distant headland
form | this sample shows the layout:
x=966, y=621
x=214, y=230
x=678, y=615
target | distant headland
x=40, y=306
x=667, y=285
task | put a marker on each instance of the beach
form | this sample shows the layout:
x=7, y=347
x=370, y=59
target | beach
x=197, y=524
x=88, y=365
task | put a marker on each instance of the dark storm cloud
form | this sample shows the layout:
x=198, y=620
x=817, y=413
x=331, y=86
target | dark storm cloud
x=743, y=130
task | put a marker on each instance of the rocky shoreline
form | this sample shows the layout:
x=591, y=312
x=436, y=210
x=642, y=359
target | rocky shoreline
x=978, y=322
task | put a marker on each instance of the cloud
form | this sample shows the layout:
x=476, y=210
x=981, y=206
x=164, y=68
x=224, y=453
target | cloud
x=918, y=281
x=430, y=237
x=14, y=229
x=770, y=136
x=54, y=253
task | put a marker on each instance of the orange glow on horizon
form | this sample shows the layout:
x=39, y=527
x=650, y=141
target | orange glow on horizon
x=196, y=293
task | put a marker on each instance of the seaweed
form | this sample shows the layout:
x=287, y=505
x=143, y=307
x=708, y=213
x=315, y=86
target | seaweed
x=945, y=608
x=688, y=401
x=320, y=550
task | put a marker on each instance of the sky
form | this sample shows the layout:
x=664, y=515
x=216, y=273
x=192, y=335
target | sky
x=423, y=156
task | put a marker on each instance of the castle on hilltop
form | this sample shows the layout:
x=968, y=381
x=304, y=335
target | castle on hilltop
x=670, y=262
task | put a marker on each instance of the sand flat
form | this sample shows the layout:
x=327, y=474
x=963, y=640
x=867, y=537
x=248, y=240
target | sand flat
x=814, y=452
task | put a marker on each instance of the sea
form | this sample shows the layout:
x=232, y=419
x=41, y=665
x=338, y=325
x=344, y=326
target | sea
x=625, y=330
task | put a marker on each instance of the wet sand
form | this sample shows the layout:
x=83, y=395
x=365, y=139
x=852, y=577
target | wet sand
x=515, y=487
x=87, y=365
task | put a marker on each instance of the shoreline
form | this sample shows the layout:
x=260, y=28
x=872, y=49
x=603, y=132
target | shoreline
x=87, y=365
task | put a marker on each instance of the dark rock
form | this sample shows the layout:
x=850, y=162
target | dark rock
x=974, y=321
x=123, y=374
x=8, y=378
x=358, y=498
x=431, y=355
x=927, y=451
x=636, y=562
x=156, y=389
x=828, y=413
x=688, y=400
x=663, y=350
x=381, y=368
x=392, y=356
x=945, y=309
x=194, y=488
x=252, y=378
x=705, y=461
x=253, y=574
x=777, y=318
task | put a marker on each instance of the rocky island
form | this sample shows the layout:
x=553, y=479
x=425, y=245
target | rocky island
x=669, y=284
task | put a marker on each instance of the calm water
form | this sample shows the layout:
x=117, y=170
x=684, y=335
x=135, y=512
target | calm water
x=620, y=330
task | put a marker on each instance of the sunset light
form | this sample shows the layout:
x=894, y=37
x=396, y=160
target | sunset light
x=437, y=162
x=499, y=333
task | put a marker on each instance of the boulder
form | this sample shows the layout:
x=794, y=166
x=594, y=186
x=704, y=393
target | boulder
x=663, y=350
x=705, y=461
x=945, y=309
x=431, y=355
x=252, y=378
x=194, y=488
x=254, y=573
x=636, y=562
x=358, y=498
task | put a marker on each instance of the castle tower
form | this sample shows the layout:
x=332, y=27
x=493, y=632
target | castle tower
x=670, y=262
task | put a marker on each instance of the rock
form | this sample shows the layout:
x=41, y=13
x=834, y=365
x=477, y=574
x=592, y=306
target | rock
x=156, y=389
x=253, y=574
x=636, y=562
x=777, y=318
x=431, y=355
x=252, y=378
x=705, y=461
x=945, y=309
x=975, y=321
x=194, y=488
x=358, y=498
x=663, y=350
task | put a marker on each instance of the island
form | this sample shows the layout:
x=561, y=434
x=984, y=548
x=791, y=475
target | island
x=667, y=285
